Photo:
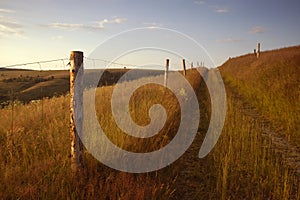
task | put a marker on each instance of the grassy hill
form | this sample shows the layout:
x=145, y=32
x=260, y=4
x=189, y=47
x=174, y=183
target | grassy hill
x=271, y=83
x=27, y=85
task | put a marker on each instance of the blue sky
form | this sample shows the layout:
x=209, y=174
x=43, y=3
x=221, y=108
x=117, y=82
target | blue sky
x=34, y=30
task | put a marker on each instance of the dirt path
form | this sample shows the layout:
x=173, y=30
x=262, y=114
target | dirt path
x=289, y=153
x=192, y=174
x=193, y=177
x=190, y=179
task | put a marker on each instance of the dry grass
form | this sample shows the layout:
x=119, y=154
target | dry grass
x=243, y=164
x=35, y=160
x=272, y=84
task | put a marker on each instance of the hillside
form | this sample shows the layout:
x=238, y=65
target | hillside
x=270, y=83
x=27, y=85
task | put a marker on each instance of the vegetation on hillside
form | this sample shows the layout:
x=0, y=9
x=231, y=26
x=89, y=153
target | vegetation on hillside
x=271, y=83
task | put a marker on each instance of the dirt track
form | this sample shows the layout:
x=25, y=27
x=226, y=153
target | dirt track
x=289, y=153
x=192, y=177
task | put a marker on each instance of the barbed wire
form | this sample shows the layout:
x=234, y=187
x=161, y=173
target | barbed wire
x=134, y=65
x=37, y=62
x=67, y=59
x=110, y=62
x=63, y=60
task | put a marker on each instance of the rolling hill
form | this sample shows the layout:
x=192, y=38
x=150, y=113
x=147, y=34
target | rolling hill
x=27, y=85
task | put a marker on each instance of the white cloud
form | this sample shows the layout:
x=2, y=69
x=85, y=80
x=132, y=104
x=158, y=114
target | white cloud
x=120, y=20
x=112, y=21
x=152, y=25
x=228, y=40
x=94, y=25
x=257, y=30
x=6, y=11
x=65, y=25
x=10, y=27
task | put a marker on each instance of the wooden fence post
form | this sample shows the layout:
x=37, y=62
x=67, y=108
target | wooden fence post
x=76, y=61
x=258, y=50
x=166, y=72
x=184, y=69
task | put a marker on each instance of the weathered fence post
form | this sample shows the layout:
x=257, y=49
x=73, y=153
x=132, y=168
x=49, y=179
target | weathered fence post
x=76, y=104
x=258, y=50
x=166, y=72
x=184, y=69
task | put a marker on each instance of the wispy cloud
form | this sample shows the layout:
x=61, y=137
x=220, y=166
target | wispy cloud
x=218, y=9
x=2, y=10
x=215, y=8
x=199, y=2
x=152, y=25
x=95, y=25
x=228, y=40
x=65, y=26
x=112, y=21
x=257, y=30
x=10, y=27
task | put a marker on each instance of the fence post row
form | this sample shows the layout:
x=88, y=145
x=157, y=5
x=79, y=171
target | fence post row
x=76, y=104
x=76, y=61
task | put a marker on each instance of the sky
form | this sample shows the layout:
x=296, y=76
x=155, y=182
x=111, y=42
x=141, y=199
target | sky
x=37, y=30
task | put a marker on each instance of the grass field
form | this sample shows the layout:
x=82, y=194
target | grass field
x=34, y=141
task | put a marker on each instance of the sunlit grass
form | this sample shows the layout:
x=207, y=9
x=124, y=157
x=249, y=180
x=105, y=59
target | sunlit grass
x=271, y=84
x=35, y=149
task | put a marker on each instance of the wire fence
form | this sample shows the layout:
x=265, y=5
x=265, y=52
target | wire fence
x=60, y=64
x=57, y=64
x=18, y=79
x=22, y=83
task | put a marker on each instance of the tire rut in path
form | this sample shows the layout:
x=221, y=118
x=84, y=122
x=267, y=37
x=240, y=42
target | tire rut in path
x=189, y=181
x=289, y=152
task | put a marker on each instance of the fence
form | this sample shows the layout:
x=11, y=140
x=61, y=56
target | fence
x=75, y=61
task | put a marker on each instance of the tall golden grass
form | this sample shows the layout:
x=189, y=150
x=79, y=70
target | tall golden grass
x=35, y=160
x=271, y=84
x=35, y=153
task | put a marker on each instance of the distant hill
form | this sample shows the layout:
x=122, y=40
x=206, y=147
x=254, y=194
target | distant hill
x=27, y=85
